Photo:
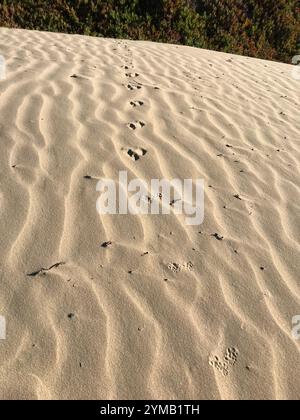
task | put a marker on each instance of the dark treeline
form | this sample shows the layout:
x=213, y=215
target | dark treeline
x=268, y=29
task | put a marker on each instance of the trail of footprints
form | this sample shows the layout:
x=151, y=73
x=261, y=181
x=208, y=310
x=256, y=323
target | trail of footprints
x=225, y=364
x=135, y=153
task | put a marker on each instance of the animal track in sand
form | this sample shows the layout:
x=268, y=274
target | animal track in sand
x=176, y=268
x=217, y=364
x=132, y=75
x=132, y=86
x=229, y=360
x=136, y=104
x=135, y=125
x=231, y=356
x=136, y=153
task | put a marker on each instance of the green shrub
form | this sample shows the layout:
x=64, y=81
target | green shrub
x=259, y=28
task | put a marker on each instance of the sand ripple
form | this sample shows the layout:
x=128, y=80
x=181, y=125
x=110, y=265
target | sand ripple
x=123, y=321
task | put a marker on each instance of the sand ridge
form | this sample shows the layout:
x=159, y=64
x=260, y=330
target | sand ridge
x=166, y=310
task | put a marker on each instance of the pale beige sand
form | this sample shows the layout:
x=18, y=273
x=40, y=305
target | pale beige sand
x=137, y=335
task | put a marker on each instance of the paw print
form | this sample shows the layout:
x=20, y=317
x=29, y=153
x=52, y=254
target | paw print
x=229, y=360
x=217, y=364
x=174, y=267
x=135, y=125
x=231, y=356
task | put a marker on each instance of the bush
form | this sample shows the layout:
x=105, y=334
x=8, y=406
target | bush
x=259, y=28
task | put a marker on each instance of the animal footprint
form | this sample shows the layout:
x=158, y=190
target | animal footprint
x=135, y=154
x=176, y=268
x=135, y=125
x=218, y=237
x=130, y=75
x=136, y=103
x=188, y=266
x=134, y=86
x=217, y=364
x=229, y=360
x=231, y=356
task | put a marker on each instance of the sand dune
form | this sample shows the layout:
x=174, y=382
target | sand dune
x=167, y=311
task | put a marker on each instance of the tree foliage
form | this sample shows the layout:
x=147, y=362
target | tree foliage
x=260, y=28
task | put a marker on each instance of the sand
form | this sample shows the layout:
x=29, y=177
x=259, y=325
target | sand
x=166, y=311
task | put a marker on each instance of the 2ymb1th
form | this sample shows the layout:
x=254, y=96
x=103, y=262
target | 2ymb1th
x=173, y=409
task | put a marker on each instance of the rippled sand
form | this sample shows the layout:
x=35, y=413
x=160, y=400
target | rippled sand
x=167, y=311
